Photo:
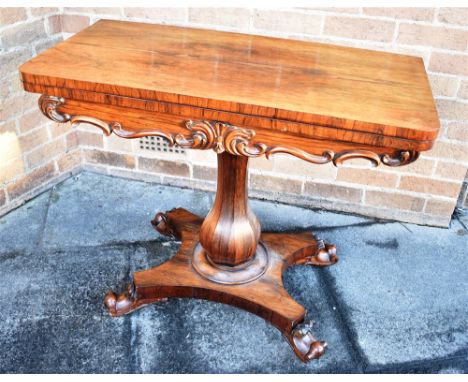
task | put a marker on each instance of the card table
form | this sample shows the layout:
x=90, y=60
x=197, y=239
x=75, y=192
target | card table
x=244, y=97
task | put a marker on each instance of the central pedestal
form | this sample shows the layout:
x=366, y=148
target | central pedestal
x=225, y=258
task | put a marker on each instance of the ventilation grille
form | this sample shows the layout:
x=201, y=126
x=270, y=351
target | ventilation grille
x=159, y=145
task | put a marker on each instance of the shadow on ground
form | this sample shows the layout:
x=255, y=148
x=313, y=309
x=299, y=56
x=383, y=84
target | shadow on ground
x=395, y=302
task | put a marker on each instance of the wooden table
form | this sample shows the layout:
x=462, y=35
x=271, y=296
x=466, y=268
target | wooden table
x=244, y=97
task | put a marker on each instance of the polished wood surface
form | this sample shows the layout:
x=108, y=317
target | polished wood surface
x=231, y=230
x=349, y=89
x=244, y=97
x=265, y=296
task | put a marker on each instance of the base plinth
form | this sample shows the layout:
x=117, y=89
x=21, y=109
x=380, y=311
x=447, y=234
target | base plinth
x=264, y=295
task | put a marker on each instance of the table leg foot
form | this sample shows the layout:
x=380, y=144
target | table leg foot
x=304, y=344
x=126, y=302
x=264, y=295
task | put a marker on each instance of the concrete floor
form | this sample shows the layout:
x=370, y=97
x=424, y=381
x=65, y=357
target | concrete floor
x=397, y=301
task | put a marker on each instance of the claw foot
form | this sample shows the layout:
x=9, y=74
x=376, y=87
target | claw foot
x=325, y=255
x=305, y=345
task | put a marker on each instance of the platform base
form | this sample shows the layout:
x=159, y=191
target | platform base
x=264, y=295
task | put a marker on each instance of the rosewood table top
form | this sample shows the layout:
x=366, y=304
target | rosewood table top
x=340, y=98
x=244, y=97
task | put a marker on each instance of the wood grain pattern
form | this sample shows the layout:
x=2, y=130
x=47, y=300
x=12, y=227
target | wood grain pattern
x=231, y=230
x=242, y=96
x=265, y=296
x=314, y=84
x=221, y=136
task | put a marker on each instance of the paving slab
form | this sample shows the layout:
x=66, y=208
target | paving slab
x=65, y=344
x=280, y=217
x=96, y=209
x=395, y=302
x=21, y=229
x=191, y=336
x=403, y=291
x=61, y=283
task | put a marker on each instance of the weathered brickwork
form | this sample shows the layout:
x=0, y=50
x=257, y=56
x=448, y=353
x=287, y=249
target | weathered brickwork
x=37, y=152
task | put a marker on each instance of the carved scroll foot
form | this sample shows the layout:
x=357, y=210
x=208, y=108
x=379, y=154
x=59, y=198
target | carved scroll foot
x=126, y=302
x=325, y=255
x=175, y=222
x=161, y=224
x=264, y=295
x=304, y=344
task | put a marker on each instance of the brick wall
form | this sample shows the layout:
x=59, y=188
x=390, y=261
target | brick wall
x=425, y=192
x=34, y=152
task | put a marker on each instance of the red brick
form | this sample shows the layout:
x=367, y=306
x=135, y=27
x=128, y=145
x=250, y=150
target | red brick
x=205, y=172
x=96, y=11
x=33, y=139
x=229, y=17
x=109, y=158
x=440, y=207
x=443, y=85
x=164, y=166
x=463, y=91
x=46, y=152
x=429, y=186
x=289, y=165
x=333, y=191
x=10, y=15
x=72, y=140
x=275, y=184
x=10, y=61
x=59, y=129
x=333, y=9
x=11, y=169
x=30, y=181
x=394, y=200
x=69, y=161
x=452, y=109
x=23, y=34
x=457, y=131
x=449, y=150
x=86, y=138
x=166, y=14
x=289, y=22
x=454, y=171
x=368, y=177
x=357, y=28
x=41, y=11
x=73, y=23
x=55, y=24
x=422, y=166
x=437, y=37
x=455, y=15
x=30, y=121
x=415, y=14
x=449, y=63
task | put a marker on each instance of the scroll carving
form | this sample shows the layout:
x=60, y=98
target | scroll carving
x=223, y=137
x=48, y=106
x=401, y=158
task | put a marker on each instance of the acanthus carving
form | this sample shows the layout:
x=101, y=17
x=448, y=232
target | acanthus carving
x=223, y=137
